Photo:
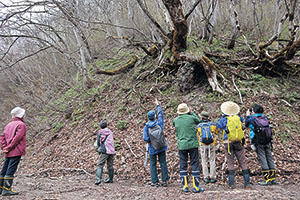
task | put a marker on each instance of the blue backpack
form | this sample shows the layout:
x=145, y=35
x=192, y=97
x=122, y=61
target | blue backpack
x=206, y=135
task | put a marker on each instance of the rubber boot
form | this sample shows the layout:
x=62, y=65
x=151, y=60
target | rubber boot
x=267, y=180
x=1, y=184
x=110, y=176
x=231, y=179
x=246, y=176
x=99, y=175
x=7, y=184
x=272, y=177
x=184, y=181
x=196, y=187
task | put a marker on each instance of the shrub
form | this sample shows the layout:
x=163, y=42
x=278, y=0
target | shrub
x=122, y=124
x=57, y=127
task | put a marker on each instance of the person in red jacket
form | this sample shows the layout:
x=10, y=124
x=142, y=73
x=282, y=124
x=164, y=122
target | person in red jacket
x=13, y=145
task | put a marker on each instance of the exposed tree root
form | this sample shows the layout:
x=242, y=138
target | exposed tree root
x=210, y=70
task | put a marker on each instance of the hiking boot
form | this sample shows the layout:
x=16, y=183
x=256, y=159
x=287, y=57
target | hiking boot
x=164, y=184
x=99, y=175
x=184, y=181
x=110, y=176
x=264, y=183
x=267, y=180
x=196, y=187
x=274, y=182
x=231, y=179
x=206, y=180
x=7, y=184
x=213, y=180
x=154, y=185
x=246, y=176
x=1, y=184
x=272, y=177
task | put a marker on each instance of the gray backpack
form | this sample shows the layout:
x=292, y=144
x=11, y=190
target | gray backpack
x=157, y=138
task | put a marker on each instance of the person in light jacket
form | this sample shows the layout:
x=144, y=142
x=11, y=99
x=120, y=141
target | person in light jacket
x=13, y=145
x=155, y=154
x=105, y=136
x=207, y=150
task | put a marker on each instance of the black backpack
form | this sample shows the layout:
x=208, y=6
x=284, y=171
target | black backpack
x=262, y=130
x=157, y=138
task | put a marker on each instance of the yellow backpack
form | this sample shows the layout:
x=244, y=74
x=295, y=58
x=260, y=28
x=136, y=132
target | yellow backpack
x=234, y=125
x=236, y=132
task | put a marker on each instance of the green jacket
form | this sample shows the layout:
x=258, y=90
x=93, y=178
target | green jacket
x=186, y=131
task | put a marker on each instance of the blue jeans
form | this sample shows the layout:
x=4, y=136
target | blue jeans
x=163, y=165
x=10, y=166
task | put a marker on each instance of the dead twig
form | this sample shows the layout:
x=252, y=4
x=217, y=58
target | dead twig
x=237, y=89
x=287, y=103
x=130, y=149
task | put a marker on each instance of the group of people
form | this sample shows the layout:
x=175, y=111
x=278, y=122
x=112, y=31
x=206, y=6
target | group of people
x=193, y=131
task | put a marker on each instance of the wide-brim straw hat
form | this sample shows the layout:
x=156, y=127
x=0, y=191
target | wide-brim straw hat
x=183, y=109
x=230, y=108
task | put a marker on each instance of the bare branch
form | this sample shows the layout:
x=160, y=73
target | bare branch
x=192, y=9
x=8, y=49
x=23, y=58
x=152, y=19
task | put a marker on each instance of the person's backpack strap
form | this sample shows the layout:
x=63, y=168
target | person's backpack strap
x=198, y=135
x=105, y=139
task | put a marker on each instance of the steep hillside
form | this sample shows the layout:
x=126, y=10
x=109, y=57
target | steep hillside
x=124, y=100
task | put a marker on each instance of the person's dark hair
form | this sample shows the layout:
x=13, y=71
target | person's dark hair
x=103, y=124
x=258, y=108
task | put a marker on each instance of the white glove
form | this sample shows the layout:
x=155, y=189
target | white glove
x=253, y=147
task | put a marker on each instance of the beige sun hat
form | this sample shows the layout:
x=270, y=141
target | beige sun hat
x=17, y=112
x=230, y=108
x=182, y=109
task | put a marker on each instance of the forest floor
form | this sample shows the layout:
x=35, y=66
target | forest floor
x=81, y=186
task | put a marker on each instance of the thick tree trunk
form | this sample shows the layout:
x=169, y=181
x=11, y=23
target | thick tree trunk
x=212, y=20
x=234, y=28
x=82, y=57
x=276, y=16
x=180, y=24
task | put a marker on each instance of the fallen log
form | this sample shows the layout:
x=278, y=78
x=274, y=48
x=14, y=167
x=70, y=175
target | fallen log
x=122, y=69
